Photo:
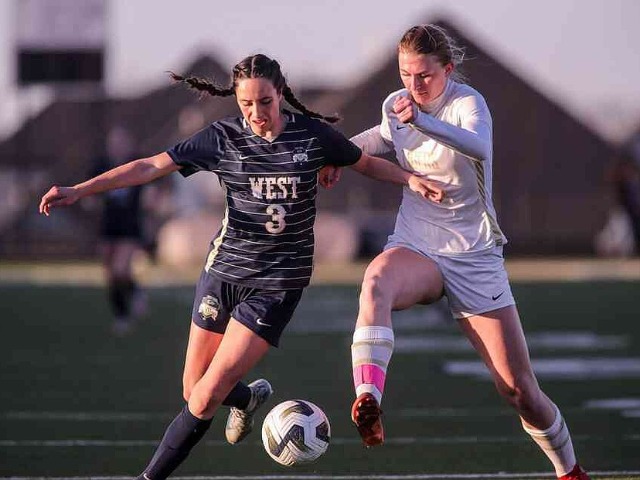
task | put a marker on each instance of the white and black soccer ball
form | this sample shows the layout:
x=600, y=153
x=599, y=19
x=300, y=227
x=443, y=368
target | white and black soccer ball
x=296, y=432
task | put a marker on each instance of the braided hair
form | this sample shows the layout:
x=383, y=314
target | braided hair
x=254, y=66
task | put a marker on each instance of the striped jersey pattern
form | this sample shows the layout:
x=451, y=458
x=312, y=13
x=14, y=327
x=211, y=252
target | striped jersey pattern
x=266, y=238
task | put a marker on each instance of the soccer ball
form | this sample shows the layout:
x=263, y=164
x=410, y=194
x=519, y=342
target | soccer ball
x=295, y=432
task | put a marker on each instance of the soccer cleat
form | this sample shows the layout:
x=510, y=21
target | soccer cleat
x=240, y=422
x=367, y=416
x=576, y=474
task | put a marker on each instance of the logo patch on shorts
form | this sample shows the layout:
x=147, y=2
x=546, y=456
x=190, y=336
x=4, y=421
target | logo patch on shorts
x=209, y=307
x=300, y=155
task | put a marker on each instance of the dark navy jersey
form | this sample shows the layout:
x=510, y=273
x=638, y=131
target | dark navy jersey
x=266, y=239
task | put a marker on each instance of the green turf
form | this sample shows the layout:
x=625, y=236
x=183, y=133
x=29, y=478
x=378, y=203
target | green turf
x=66, y=378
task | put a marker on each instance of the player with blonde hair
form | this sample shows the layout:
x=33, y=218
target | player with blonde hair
x=442, y=128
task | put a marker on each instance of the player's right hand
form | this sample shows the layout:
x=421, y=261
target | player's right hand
x=428, y=189
x=58, y=197
x=405, y=109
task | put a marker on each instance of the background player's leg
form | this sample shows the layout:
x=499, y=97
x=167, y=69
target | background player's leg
x=498, y=337
x=107, y=251
x=122, y=286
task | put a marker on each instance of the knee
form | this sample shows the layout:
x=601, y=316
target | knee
x=187, y=387
x=204, y=397
x=204, y=406
x=204, y=402
x=373, y=291
x=189, y=381
x=522, y=393
x=121, y=275
x=118, y=276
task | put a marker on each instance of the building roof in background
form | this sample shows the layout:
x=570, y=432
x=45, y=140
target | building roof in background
x=548, y=166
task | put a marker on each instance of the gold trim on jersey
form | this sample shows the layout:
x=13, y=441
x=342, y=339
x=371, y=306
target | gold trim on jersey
x=218, y=241
x=493, y=224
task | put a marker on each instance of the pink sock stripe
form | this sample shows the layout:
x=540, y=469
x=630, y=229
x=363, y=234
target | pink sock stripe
x=369, y=374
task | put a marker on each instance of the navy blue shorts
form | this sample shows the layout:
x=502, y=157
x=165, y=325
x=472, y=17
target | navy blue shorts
x=264, y=312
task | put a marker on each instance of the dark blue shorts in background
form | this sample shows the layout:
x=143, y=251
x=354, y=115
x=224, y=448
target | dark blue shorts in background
x=265, y=312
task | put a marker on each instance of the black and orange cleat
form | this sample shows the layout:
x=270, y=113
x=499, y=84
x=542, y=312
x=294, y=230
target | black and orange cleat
x=367, y=415
x=576, y=474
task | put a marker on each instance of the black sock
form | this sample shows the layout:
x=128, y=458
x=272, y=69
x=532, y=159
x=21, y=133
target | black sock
x=238, y=397
x=179, y=438
x=121, y=294
x=117, y=298
x=129, y=288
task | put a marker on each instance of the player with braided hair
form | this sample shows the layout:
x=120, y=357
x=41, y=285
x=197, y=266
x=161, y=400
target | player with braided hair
x=268, y=161
x=245, y=70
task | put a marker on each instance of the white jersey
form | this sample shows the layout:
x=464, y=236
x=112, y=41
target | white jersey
x=450, y=142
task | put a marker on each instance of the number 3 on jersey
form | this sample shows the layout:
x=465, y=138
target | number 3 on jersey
x=277, y=223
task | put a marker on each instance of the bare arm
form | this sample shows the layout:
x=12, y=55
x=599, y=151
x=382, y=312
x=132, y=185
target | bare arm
x=136, y=172
x=370, y=141
x=382, y=169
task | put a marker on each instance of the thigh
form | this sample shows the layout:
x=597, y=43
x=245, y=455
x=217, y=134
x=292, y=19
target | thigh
x=406, y=276
x=201, y=349
x=238, y=352
x=499, y=339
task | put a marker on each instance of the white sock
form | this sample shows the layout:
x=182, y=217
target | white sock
x=556, y=443
x=370, y=356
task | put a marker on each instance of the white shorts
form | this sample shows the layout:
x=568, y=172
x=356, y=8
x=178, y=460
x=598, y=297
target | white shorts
x=474, y=283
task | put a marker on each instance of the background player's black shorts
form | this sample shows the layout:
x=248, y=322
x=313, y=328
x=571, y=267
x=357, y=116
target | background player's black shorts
x=265, y=312
x=120, y=228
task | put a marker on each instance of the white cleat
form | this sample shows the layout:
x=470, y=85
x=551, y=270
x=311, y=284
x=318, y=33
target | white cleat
x=240, y=422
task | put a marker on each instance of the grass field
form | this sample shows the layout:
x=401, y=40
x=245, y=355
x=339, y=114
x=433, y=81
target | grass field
x=75, y=401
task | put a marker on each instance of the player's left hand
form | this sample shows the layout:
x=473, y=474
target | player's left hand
x=405, y=109
x=329, y=175
x=428, y=189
